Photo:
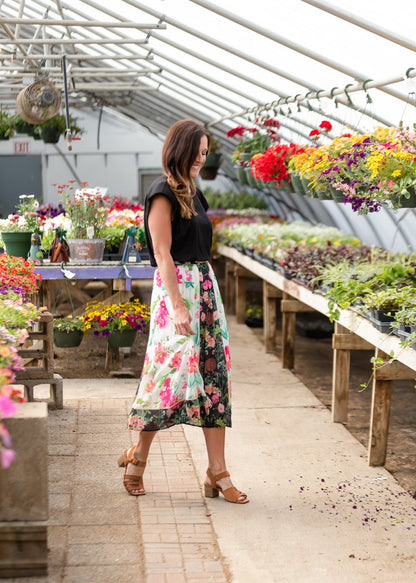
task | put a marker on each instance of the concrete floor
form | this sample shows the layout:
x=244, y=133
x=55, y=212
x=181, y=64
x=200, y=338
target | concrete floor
x=317, y=511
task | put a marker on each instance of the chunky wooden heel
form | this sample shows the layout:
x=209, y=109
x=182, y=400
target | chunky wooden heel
x=210, y=492
x=131, y=482
x=230, y=494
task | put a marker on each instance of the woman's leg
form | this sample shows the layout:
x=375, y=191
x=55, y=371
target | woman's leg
x=215, y=442
x=141, y=452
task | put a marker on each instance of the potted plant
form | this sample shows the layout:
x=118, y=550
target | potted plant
x=52, y=129
x=23, y=127
x=210, y=169
x=118, y=322
x=68, y=332
x=17, y=229
x=87, y=210
x=6, y=124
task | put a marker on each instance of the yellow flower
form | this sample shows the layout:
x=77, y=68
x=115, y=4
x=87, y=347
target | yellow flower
x=396, y=173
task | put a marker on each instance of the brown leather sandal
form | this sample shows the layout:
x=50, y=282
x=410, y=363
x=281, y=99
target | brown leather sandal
x=131, y=482
x=230, y=494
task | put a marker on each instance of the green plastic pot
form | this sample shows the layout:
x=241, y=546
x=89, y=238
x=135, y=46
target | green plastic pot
x=121, y=338
x=17, y=243
x=64, y=339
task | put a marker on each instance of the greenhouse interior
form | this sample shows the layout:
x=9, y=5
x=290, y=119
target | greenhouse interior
x=306, y=110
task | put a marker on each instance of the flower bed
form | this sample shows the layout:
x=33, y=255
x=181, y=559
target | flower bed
x=17, y=281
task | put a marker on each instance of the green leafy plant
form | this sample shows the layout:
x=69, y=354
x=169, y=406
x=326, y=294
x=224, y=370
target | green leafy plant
x=58, y=121
x=6, y=124
x=69, y=324
x=26, y=217
x=234, y=200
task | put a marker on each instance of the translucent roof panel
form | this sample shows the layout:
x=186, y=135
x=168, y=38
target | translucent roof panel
x=223, y=63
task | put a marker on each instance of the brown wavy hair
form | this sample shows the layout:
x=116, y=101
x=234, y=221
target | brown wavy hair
x=180, y=150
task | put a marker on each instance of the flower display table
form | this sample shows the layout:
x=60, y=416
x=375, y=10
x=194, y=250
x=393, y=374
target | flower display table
x=121, y=276
x=352, y=332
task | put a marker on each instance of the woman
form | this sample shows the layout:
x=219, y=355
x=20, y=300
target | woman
x=186, y=371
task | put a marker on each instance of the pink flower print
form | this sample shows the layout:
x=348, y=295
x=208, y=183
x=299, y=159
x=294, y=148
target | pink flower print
x=202, y=316
x=227, y=357
x=150, y=386
x=178, y=275
x=176, y=360
x=166, y=397
x=205, y=297
x=207, y=405
x=188, y=275
x=215, y=315
x=193, y=362
x=160, y=354
x=162, y=314
x=207, y=284
x=215, y=398
x=210, y=340
x=201, y=277
x=158, y=279
x=193, y=411
x=221, y=408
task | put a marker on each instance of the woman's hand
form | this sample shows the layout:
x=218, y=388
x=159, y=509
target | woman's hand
x=182, y=321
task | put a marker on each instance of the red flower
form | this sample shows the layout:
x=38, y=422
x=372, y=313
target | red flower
x=238, y=131
x=326, y=126
x=270, y=122
x=314, y=133
x=346, y=135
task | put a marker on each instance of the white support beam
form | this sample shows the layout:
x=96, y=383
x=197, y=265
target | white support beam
x=82, y=23
x=67, y=41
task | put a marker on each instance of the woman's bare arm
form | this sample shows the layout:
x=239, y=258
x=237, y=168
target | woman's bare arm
x=160, y=227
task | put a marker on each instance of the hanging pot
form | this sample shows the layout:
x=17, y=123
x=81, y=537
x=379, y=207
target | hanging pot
x=210, y=169
x=86, y=250
x=297, y=184
x=50, y=135
x=120, y=338
x=408, y=202
x=241, y=175
x=67, y=339
x=17, y=243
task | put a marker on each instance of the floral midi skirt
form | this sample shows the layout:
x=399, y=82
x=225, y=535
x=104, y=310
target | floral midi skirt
x=185, y=379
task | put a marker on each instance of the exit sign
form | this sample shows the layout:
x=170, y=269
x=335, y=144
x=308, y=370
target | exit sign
x=21, y=147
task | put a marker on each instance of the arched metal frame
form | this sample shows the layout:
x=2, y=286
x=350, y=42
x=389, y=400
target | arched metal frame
x=126, y=58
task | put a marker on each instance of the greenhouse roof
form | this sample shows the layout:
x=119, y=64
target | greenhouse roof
x=158, y=61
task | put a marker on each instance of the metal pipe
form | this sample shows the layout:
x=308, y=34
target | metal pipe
x=361, y=23
x=60, y=41
x=82, y=23
x=323, y=59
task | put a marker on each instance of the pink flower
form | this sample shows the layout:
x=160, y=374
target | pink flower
x=166, y=397
x=162, y=314
x=178, y=275
x=207, y=284
x=150, y=386
x=7, y=406
x=7, y=456
x=158, y=279
x=5, y=437
x=193, y=363
x=160, y=354
x=176, y=360
x=227, y=357
x=221, y=408
x=188, y=275
x=215, y=398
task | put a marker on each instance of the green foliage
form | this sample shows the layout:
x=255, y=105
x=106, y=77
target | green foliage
x=69, y=324
x=234, y=200
x=6, y=124
x=59, y=121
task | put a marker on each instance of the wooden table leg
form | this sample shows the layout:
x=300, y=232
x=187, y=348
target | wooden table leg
x=270, y=294
x=288, y=337
x=240, y=275
x=340, y=378
x=229, y=286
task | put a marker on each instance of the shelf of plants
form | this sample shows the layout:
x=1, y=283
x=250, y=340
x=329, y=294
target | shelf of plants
x=366, y=289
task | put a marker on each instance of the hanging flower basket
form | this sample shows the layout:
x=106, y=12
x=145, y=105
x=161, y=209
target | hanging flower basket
x=67, y=339
x=50, y=135
x=121, y=338
x=210, y=169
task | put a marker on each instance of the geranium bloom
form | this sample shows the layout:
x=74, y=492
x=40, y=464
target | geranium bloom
x=326, y=126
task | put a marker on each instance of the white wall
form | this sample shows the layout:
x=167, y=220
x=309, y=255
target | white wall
x=124, y=149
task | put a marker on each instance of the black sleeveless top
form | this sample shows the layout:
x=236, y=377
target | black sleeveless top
x=191, y=238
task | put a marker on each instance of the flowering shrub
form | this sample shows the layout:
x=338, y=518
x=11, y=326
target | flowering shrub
x=272, y=165
x=106, y=318
x=16, y=281
x=86, y=208
x=254, y=140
